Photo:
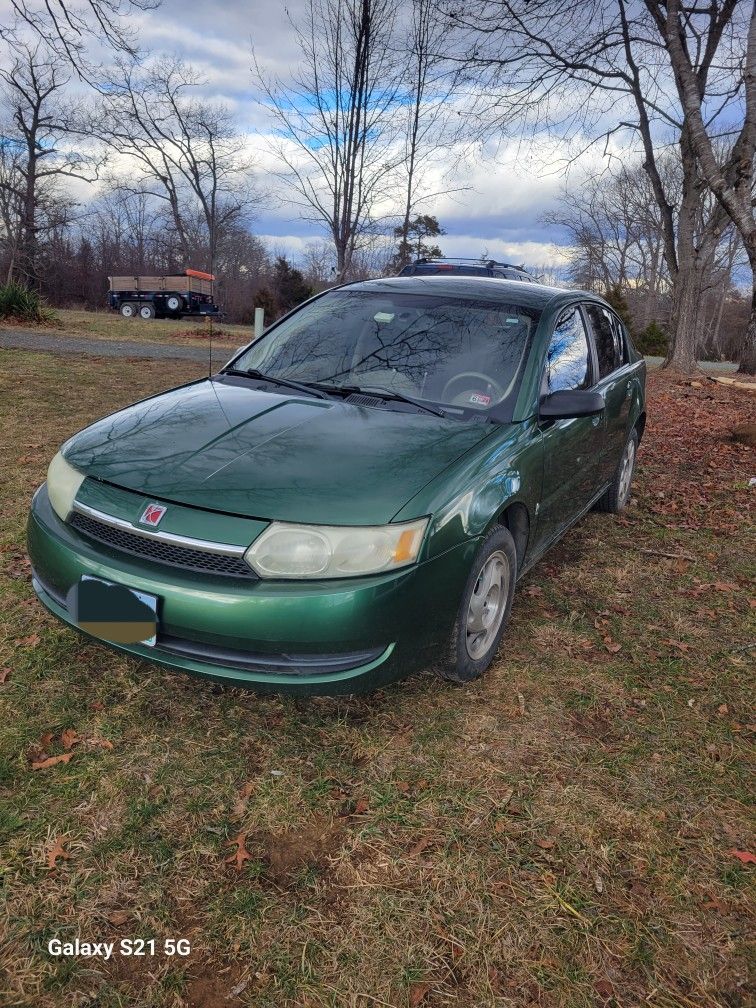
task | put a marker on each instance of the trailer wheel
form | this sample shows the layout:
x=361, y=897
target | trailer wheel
x=128, y=310
x=173, y=303
x=147, y=311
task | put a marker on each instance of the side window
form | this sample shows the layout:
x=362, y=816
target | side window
x=605, y=336
x=567, y=360
x=619, y=340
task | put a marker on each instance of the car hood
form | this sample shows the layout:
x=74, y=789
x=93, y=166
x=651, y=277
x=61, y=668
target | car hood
x=233, y=448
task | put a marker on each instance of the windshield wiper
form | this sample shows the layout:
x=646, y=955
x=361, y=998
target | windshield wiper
x=385, y=393
x=275, y=380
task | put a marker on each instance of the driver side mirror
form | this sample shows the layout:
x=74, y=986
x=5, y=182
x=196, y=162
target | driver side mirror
x=571, y=403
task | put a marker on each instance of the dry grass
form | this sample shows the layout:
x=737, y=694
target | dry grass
x=557, y=834
x=112, y=326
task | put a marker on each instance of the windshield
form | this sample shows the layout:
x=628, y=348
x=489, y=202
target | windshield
x=456, y=352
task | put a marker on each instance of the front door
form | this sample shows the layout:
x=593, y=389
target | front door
x=571, y=448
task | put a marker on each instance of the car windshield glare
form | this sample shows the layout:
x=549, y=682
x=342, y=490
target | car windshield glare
x=457, y=352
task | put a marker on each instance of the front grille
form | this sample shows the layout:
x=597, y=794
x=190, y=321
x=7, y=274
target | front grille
x=280, y=664
x=159, y=551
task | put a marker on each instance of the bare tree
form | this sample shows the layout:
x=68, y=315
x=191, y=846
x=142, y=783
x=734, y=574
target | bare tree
x=181, y=150
x=67, y=30
x=11, y=189
x=337, y=118
x=44, y=137
x=426, y=131
x=600, y=70
x=684, y=27
x=617, y=240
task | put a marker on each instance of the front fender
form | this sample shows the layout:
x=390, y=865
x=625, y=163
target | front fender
x=467, y=499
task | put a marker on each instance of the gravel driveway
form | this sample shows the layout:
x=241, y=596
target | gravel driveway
x=24, y=339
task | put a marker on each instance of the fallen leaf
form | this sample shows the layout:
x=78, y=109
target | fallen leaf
x=118, y=917
x=97, y=705
x=417, y=993
x=241, y=854
x=402, y=786
x=744, y=856
x=30, y=641
x=604, y=988
x=678, y=644
x=361, y=807
x=103, y=743
x=69, y=738
x=240, y=805
x=4, y=673
x=51, y=761
x=420, y=846
x=611, y=646
x=46, y=740
x=57, y=851
x=545, y=844
x=716, y=904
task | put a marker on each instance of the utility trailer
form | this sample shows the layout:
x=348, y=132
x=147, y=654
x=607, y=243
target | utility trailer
x=148, y=297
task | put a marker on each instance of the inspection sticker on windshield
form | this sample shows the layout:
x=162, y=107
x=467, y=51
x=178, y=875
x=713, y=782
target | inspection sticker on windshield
x=480, y=399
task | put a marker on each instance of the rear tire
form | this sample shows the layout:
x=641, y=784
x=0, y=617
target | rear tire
x=174, y=304
x=147, y=311
x=128, y=310
x=617, y=497
x=484, y=609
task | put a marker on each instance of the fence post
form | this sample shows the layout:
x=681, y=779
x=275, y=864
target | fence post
x=259, y=320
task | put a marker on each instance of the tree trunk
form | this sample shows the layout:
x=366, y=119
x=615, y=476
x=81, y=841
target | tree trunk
x=681, y=355
x=747, y=360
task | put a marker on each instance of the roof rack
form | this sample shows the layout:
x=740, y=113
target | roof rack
x=490, y=263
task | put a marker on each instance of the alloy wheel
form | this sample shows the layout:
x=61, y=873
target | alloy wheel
x=626, y=471
x=488, y=604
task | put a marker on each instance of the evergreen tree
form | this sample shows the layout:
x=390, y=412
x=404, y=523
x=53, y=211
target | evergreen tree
x=415, y=244
x=289, y=286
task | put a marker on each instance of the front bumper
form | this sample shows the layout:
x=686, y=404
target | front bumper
x=327, y=637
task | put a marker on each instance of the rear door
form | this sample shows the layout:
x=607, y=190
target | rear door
x=571, y=448
x=614, y=382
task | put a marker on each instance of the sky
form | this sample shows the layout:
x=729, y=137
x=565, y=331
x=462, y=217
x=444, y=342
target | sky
x=502, y=195
x=502, y=192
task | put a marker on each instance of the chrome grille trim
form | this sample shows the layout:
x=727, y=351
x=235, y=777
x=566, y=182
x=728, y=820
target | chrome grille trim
x=169, y=538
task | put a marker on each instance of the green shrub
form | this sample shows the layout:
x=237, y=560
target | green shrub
x=19, y=302
x=652, y=341
x=617, y=300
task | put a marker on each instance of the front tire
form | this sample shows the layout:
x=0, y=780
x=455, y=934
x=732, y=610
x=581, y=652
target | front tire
x=128, y=310
x=617, y=497
x=484, y=610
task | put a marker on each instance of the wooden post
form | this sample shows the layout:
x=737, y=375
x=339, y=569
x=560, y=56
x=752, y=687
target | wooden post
x=259, y=320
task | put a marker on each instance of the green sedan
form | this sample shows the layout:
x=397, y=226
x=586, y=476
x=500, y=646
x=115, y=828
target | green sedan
x=355, y=495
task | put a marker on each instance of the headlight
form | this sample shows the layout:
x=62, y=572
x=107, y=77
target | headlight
x=331, y=551
x=63, y=482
